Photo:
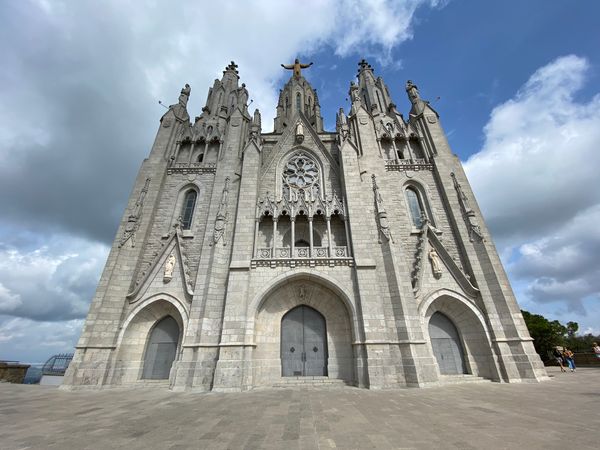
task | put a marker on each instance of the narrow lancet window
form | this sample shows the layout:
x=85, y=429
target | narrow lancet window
x=187, y=212
x=298, y=102
x=415, y=207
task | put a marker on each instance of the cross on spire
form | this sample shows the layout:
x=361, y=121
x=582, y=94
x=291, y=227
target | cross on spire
x=363, y=65
x=232, y=67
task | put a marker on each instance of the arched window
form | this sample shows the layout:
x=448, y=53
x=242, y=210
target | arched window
x=187, y=212
x=415, y=206
x=298, y=101
x=200, y=157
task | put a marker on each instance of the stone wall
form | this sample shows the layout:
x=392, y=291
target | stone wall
x=13, y=372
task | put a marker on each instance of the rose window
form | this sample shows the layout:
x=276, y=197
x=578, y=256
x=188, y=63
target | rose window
x=300, y=172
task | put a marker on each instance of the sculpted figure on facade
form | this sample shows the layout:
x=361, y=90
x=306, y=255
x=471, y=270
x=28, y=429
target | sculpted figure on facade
x=296, y=67
x=299, y=132
x=469, y=214
x=169, y=266
x=384, y=227
x=133, y=224
x=413, y=92
x=185, y=95
x=435, y=263
x=221, y=220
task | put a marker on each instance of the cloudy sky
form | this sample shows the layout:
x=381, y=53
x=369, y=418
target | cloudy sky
x=517, y=85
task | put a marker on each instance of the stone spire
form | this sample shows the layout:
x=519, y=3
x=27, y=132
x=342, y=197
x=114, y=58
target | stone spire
x=373, y=91
x=297, y=96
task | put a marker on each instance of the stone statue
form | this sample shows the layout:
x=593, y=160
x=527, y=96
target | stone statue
x=354, y=94
x=221, y=220
x=132, y=224
x=185, y=95
x=296, y=67
x=469, y=214
x=169, y=266
x=412, y=91
x=243, y=95
x=256, y=120
x=299, y=132
x=384, y=226
x=462, y=197
x=435, y=263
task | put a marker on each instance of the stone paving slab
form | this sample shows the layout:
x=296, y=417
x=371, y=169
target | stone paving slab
x=563, y=412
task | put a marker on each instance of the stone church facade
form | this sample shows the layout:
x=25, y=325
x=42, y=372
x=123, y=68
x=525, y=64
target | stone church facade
x=249, y=258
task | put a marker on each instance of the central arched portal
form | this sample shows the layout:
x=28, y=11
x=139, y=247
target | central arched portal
x=303, y=343
x=304, y=314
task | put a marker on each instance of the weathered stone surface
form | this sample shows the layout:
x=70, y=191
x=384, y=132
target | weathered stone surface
x=374, y=226
x=13, y=372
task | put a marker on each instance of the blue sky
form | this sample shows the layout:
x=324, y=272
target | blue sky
x=517, y=85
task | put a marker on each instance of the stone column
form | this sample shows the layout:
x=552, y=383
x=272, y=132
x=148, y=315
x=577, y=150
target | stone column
x=257, y=225
x=293, y=236
x=191, y=153
x=329, y=236
x=310, y=233
x=409, y=150
x=348, y=246
x=274, y=236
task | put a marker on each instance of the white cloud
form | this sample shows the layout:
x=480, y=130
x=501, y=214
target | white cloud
x=536, y=179
x=79, y=86
x=34, y=342
x=8, y=300
x=52, y=282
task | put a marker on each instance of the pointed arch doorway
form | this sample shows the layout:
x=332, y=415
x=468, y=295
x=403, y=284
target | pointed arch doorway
x=446, y=345
x=303, y=343
x=161, y=350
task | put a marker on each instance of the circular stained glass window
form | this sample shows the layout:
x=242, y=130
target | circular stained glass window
x=300, y=172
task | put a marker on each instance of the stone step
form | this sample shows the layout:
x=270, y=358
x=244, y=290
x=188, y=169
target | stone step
x=464, y=378
x=310, y=382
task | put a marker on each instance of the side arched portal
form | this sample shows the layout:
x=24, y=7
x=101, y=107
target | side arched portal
x=459, y=324
x=446, y=345
x=161, y=350
x=148, y=335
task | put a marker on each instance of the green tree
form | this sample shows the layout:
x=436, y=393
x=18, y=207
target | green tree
x=546, y=334
x=572, y=328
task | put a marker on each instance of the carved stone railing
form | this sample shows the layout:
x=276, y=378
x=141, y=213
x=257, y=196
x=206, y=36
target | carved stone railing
x=302, y=257
x=194, y=167
x=405, y=164
x=340, y=252
x=263, y=253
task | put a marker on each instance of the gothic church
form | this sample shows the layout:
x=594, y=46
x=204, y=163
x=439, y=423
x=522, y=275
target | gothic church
x=247, y=258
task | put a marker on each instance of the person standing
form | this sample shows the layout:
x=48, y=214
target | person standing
x=596, y=349
x=568, y=357
x=559, y=358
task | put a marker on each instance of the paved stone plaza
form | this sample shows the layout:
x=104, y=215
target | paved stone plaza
x=561, y=413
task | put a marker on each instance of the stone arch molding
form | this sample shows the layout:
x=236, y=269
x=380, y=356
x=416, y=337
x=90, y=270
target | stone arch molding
x=134, y=334
x=177, y=303
x=472, y=328
x=284, y=294
x=307, y=276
